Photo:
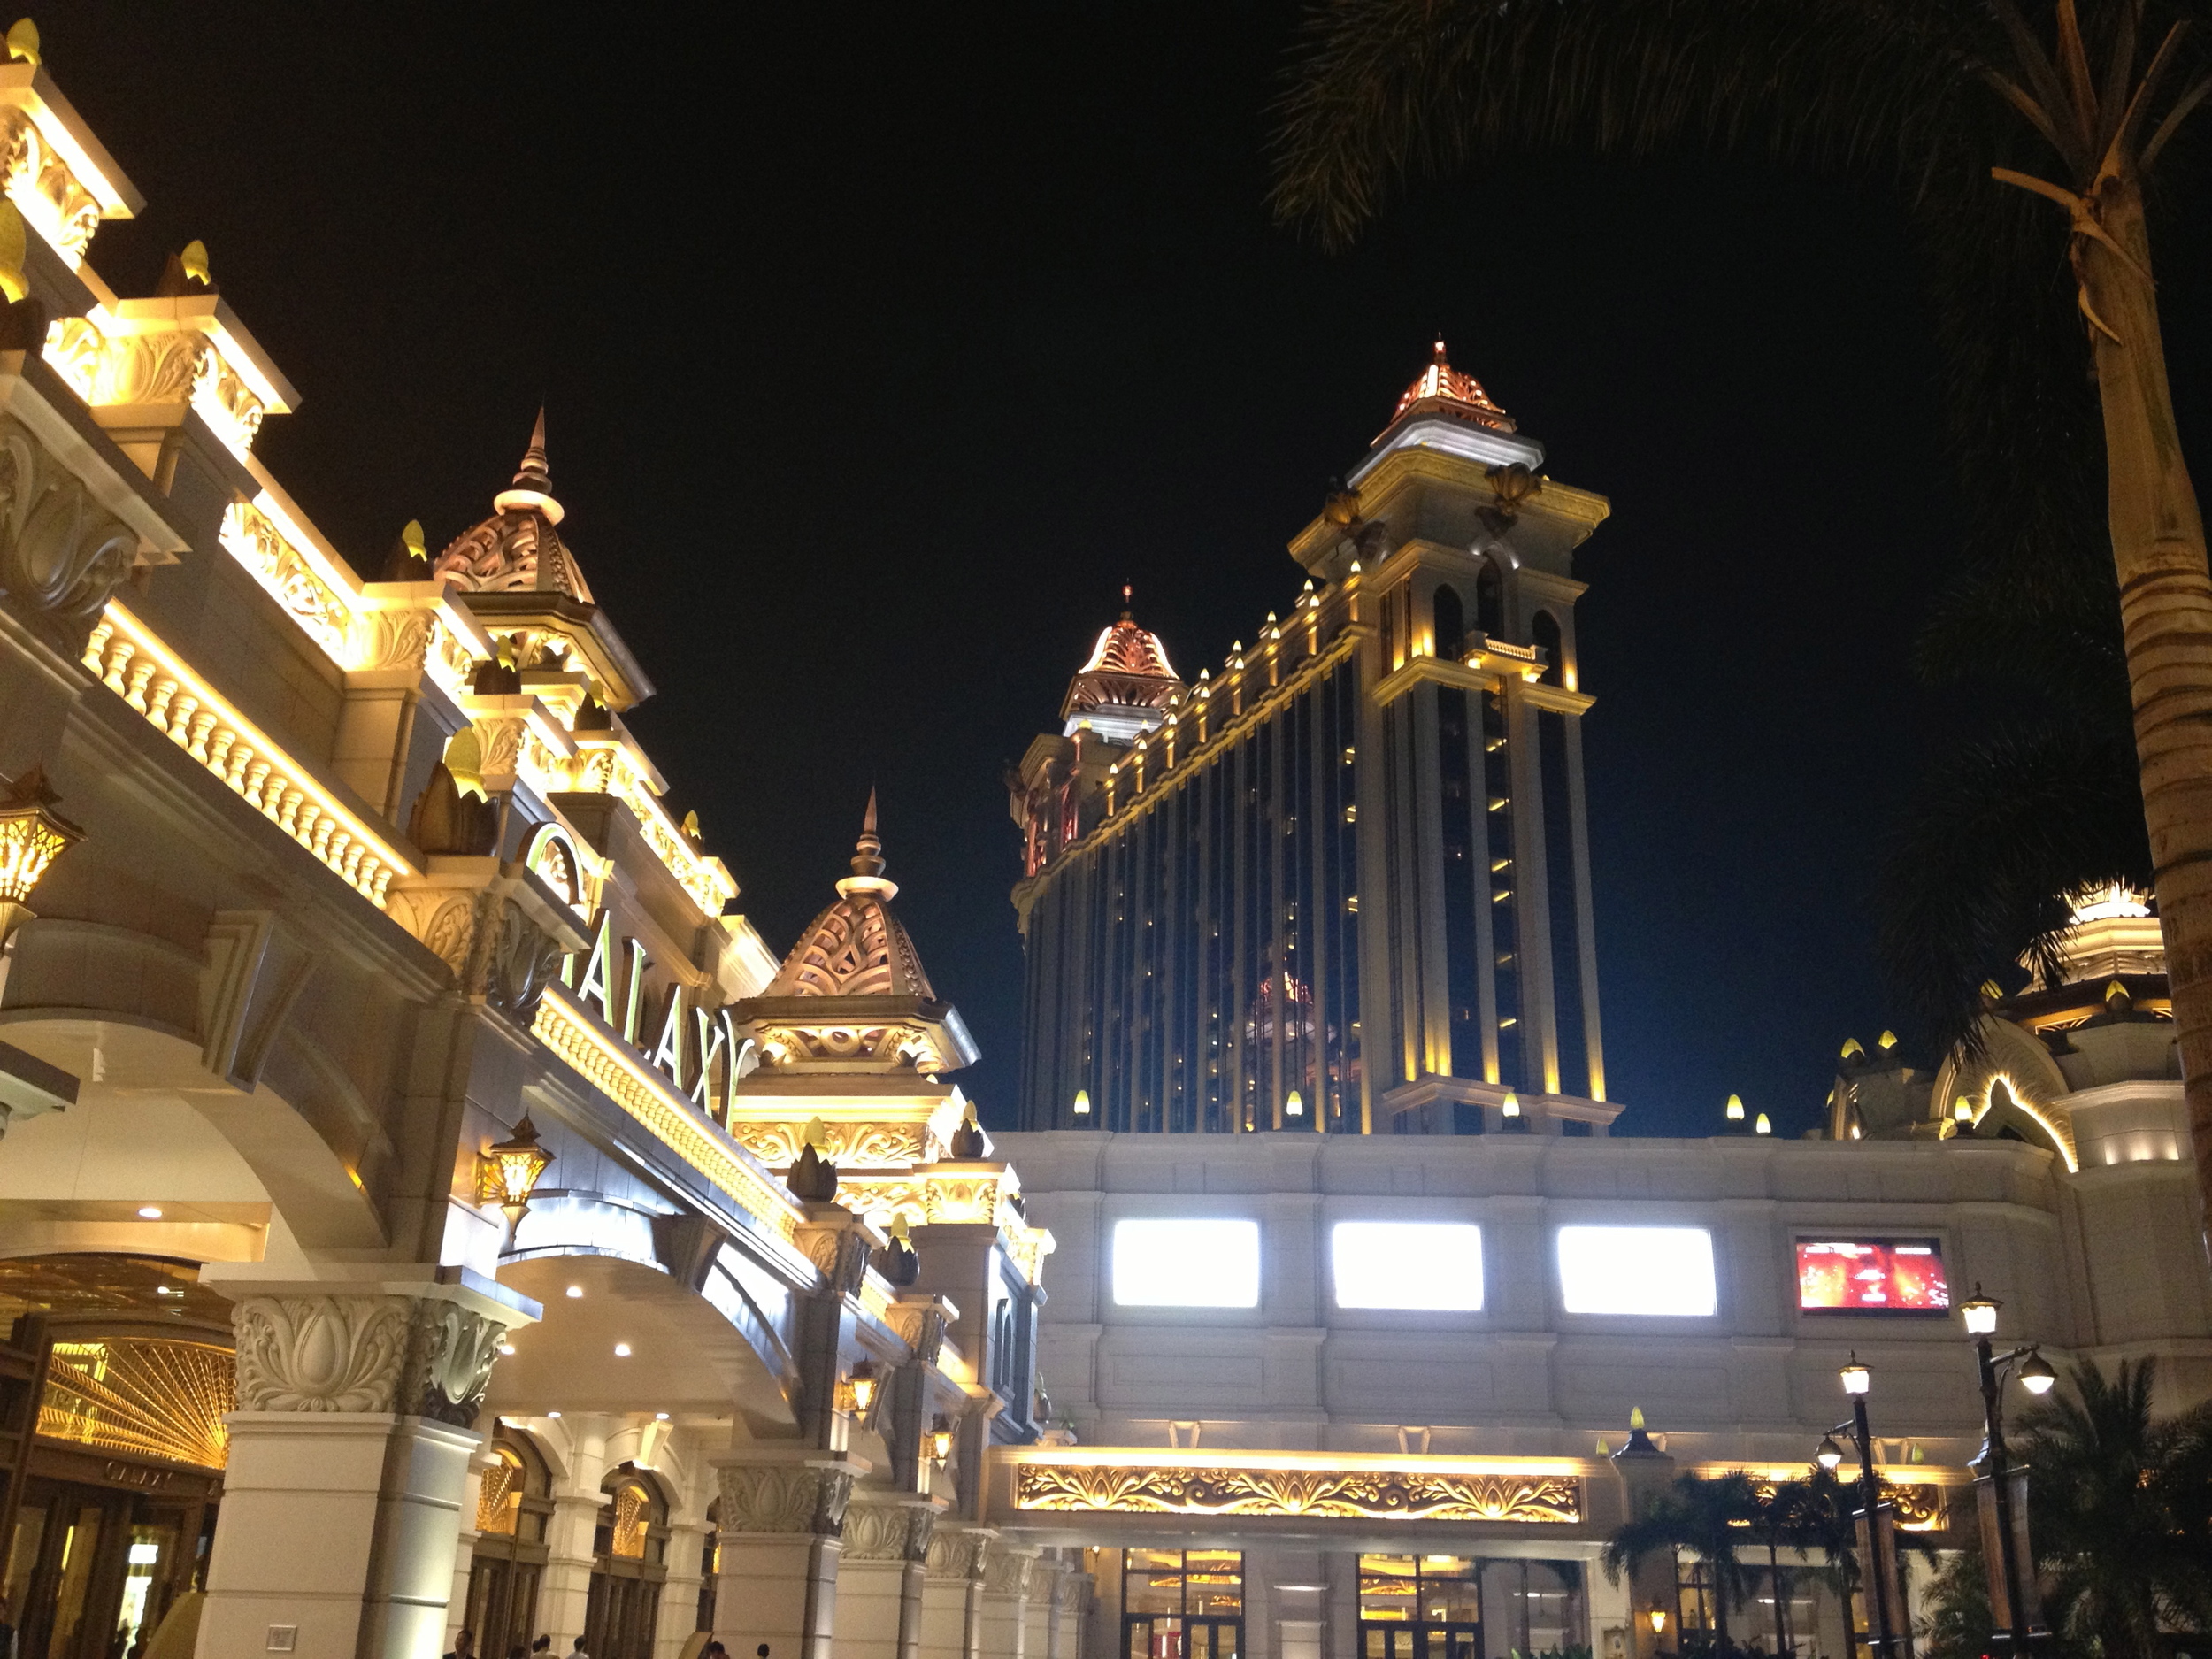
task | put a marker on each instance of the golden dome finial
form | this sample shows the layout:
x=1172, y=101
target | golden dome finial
x=868, y=865
x=23, y=42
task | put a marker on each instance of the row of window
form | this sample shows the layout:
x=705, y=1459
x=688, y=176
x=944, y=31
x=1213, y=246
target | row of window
x=1436, y=1266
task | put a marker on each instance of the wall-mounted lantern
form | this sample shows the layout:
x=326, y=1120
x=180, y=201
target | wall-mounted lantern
x=32, y=836
x=508, y=1174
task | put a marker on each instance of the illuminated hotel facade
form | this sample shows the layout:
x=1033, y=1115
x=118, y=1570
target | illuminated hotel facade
x=426, y=1204
x=1343, y=885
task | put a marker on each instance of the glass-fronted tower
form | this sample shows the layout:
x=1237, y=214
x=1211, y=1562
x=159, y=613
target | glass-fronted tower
x=1343, y=886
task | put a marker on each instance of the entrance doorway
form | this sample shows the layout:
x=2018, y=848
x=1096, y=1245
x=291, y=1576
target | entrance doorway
x=114, y=1382
x=630, y=1565
x=1420, y=1607
x=1182, y=1604
x=512, y=1509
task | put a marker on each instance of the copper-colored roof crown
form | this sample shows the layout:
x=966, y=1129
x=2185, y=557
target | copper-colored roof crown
x=1128, y=669
x=517, y=549
x=1442, y=389
x=856, y=947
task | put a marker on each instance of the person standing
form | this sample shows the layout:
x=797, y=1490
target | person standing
x=463, y=1645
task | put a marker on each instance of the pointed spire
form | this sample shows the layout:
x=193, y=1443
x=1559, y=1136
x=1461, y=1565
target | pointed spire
x=867, y=876
x=534, y=474
x=532, y=488
x=1127, y=600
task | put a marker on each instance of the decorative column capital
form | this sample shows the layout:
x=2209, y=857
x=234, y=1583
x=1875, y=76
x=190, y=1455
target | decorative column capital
x=959, y=1553
x=1010, y=1570
x=379, y=1336
x=890, y=1526
x=791, y=1492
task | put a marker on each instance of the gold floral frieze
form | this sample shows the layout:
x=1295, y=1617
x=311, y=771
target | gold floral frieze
x=1319, y=1492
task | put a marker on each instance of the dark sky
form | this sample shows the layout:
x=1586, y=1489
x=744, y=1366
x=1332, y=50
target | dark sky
x=882, y=345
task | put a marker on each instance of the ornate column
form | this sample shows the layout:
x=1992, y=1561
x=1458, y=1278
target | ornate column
x=349, y=1452
x=1006, y=1600
x=879, y=1575
x=680, y=1594
x=565, y=1588
x=952, y=1590
x=781, y=1522
x=1070, y=1602
x=1044, y=1604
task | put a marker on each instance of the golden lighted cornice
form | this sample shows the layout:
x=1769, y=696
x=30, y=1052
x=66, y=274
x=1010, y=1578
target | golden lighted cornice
x=601, y=1058
x=1138, y=780
x=158, y=355
x=154, y=681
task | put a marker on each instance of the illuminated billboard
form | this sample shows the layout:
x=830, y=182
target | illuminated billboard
x=1432, y=1265
x=1187, y=1264
x=1872, y=1276
x=1664, y=1271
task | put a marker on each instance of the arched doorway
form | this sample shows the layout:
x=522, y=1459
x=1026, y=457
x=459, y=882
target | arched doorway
x=629, y=1565
x=114, y=1381
x=514, y=1506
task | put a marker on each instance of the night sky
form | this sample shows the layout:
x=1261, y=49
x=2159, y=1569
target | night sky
x=881, y=346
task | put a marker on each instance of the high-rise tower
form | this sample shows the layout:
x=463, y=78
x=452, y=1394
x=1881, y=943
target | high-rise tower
x=1344, y=885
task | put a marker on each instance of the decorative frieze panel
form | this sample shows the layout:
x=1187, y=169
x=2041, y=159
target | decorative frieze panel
x=145, y=674
x=1351, y=1494
x=850, y=1144
x=317, y=1353
x=785, y=1498
x=251, y=537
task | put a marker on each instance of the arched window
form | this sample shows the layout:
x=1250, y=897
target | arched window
x=1451, y=624
x=1490, y=600
x=1545, y=633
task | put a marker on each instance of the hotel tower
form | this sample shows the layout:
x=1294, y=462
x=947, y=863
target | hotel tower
x=1344, y=883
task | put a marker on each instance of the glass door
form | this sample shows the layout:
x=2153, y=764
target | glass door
x=1182, y=1604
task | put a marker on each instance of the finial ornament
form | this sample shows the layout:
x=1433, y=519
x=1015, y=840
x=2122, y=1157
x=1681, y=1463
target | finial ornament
x=23, y=42
x=868, y=865
x=532, y=486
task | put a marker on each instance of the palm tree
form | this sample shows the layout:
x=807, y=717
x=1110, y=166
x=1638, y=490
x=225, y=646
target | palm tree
x=1706, y=1517
x=1949, y=99
x=1958, y=1624
x=2120, y=1511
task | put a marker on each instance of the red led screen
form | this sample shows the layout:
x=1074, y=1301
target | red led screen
x=1872, y=1276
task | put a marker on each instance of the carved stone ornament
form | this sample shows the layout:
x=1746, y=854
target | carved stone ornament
x=62, y=554
x=957, y=1555
x=1008, y=1573
x=450, y=1362
x=841, y=1253
x=494, y=942
x=785, y=1498
x=922, y=1325
x=889, y=1531
x=363, y=1354
x=28, y=162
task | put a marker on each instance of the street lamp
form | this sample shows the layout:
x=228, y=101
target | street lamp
x=1878, y=1546
x=1658, y=1616
x=2001, y=1492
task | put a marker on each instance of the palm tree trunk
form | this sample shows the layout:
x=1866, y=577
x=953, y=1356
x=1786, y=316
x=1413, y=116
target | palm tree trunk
x=1774, y=1588
x=2166, y=619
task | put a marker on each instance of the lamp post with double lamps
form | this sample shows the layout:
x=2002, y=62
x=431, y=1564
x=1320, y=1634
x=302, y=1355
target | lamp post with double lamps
x=1891, y=1637
x=2001, y=1492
